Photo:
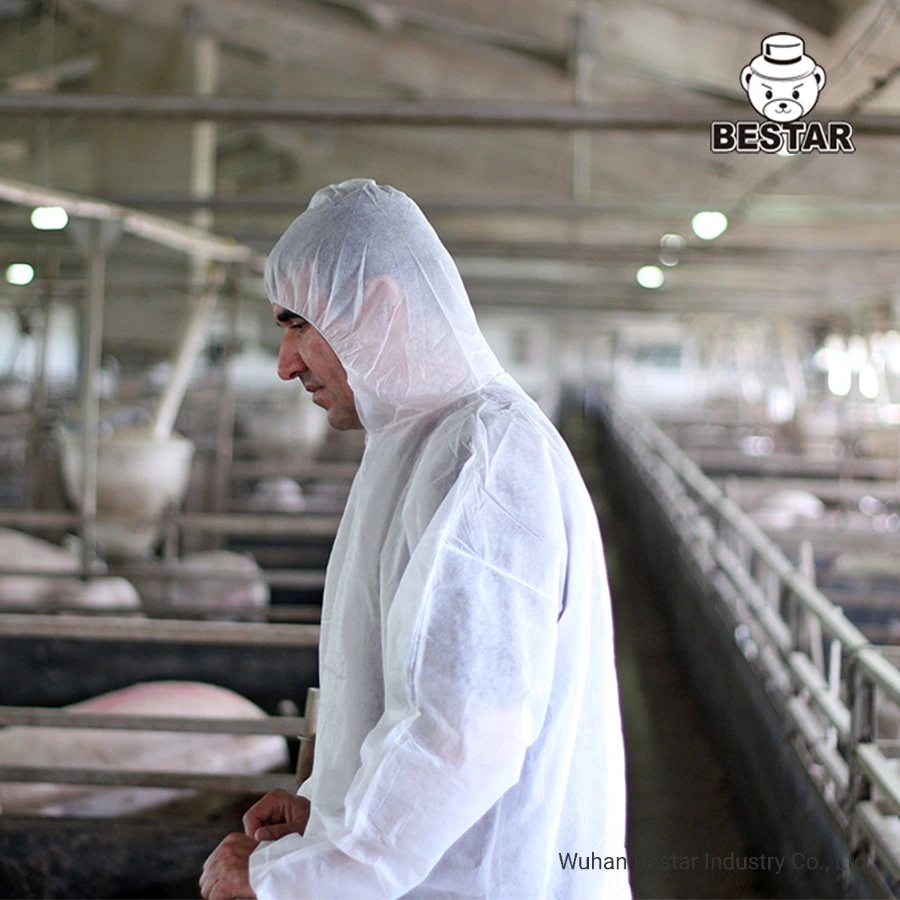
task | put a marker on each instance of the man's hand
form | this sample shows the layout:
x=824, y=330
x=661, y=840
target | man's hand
x=277, y=814
x=226, y=874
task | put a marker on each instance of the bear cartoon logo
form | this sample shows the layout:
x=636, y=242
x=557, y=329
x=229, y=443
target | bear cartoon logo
x=783, y=83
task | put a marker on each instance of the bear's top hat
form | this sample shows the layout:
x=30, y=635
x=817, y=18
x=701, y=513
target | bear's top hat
x=782, y=58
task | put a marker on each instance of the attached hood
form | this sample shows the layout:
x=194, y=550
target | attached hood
x=364, y=266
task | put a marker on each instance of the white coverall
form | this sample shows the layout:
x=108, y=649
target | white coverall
x=469, y=730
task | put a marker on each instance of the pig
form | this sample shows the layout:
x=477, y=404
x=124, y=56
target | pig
x=112, y=593
x=865, y=565
x=277, y=495
x=25, y=592
x=782, y=510
x=160, y=751
x=217, y=597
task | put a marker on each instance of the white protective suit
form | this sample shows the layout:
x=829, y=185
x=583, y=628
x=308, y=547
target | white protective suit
x=469, y=728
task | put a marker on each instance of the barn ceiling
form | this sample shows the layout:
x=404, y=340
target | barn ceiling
x=535, y=215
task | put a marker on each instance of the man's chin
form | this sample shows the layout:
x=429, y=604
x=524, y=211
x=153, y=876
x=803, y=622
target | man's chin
x=341, y=419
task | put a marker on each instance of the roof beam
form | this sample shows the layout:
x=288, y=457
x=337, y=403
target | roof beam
x=433, y=114
x=54, y=76
x=776, y=208
x=174, y=235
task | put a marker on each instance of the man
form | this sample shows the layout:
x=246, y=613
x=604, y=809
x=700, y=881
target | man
x=469, y=733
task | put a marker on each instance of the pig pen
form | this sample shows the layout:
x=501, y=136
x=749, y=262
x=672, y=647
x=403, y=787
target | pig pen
x=323, y=488
x=850, y=542
x=78, y=657
x=291, y=550
x=737, y=610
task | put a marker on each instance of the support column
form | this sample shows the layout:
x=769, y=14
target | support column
x=95, y=239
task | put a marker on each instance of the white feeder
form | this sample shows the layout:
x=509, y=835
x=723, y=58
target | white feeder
x=15, y=394
x=284, y=425
x=137, y=475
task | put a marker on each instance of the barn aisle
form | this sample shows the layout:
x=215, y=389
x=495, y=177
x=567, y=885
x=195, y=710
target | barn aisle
x=684, y=839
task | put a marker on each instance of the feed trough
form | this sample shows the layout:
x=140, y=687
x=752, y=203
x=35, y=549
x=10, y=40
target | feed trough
x=137, y=474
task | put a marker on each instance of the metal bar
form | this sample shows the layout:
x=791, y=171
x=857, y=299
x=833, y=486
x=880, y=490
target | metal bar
x=871, y=760
x=103, y=628
x=240, y=784
x=190, y=346
x=34, y=716
x=301, y=471
x=227, y=406
x=774, y=627
x=879, y=831
x=307, y=525
x=324, y=526
x=294, y=578
x=838, y=540
x=865, y=765
x=818, y=746
x=448, y=113
x=90, y=401
x=733, y=462
x=175, y=235
x=300, y=578
x=40, y=392
x=753, y=489
x=295, y=613
x=815, y=602
x=308, y=613
x=822, y=206
x=881, y=672
x=811, y=678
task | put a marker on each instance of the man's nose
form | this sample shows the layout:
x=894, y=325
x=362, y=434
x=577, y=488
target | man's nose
x=290, y=362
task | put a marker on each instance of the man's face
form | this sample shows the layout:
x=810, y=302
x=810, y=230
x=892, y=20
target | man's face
x=306, y=355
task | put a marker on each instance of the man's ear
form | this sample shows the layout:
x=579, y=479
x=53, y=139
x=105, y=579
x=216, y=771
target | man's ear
x=380, y=328
x=383, y=309
x=381, y=292
x=746, y=76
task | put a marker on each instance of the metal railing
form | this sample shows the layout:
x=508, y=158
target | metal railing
x=822, y=675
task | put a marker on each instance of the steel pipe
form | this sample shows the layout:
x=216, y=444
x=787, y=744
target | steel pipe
x=223, y=523
x=290, y=578
x=109, y=628
x=95, y=239
x=337, y=471
x=174, y=235
x=441, y=114
x=777, y=207
x=41, y=717
x=240, y=784
x=308, y=613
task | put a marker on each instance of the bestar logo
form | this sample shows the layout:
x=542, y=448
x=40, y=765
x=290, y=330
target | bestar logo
x=783, y=84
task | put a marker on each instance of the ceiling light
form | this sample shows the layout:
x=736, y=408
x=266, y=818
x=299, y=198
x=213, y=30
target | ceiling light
x=20, y=273
x=650, y=277
x=49, y=218
x=840, y=379
x=672, y=242
x=709, y=224
x=868, y=382
x=668, y=258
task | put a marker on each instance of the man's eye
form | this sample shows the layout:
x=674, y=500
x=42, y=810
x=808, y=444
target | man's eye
x=299, y=326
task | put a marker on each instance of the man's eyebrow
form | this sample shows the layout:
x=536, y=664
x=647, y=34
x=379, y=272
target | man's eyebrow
x=286, y=316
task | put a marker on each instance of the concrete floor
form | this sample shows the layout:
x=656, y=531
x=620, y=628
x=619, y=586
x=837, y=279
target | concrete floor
x=683, y=834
